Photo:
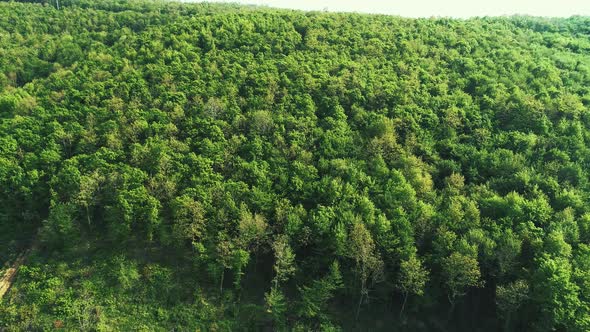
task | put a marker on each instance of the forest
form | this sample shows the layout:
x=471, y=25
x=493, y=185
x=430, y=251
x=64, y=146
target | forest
x=215, y=167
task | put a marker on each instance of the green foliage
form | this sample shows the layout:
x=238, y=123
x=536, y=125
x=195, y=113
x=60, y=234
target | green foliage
x=460, y=272
x=557, y=295
x=509, y=298
x=314, y=298
x=276, y=306
x=59, y=229
x=413, y=276
x=221, y=167
x=189, y=220
x=284, y=265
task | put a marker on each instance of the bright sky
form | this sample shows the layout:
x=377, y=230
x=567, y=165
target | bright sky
x=427, y=8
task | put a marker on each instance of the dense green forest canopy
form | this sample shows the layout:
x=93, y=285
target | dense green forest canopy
x=226, y=168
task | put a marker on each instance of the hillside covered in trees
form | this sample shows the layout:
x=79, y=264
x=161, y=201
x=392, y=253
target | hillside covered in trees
x=186, y=167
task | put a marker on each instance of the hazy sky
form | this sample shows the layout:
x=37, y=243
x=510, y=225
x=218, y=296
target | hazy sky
x=427, y=8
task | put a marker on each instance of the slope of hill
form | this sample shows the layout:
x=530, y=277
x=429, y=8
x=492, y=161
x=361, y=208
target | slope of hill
x=226, y=168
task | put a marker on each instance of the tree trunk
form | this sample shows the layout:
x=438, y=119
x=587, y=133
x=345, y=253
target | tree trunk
x=452, y=308
x=88, y=216
x=358, y=308
x=507, y=322
x=403, y=304
x=256, y=261
x=221, y=282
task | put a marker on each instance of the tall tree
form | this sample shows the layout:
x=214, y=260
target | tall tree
x=412, y=279
x=368, y=263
